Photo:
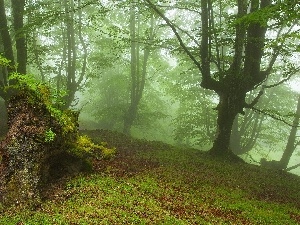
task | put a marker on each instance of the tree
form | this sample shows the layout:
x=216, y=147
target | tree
x=291, y=143
x=18, y=8
x=59, y=44
x=247, y=68
x=138, y=71
x=6, y=41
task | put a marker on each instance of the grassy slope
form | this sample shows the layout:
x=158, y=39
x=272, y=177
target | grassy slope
x=153, y=183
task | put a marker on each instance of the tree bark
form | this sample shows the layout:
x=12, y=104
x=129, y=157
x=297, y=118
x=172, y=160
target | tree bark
x=8, y=49
x=228, y=108
x=224, y=125
x=20, y=37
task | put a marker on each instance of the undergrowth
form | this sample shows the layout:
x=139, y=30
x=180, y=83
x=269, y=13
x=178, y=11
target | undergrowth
x=154, y=183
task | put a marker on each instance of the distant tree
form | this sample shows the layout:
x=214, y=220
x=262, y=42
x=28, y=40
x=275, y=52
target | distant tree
x=292, y=141
x=252, y=58
x=59, y=44
x=138, y=64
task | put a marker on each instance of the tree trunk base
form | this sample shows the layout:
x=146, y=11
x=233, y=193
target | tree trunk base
x=225, y=155
x=274, y=165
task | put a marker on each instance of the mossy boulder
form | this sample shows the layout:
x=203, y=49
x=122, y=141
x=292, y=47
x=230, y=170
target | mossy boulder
x=38, y=134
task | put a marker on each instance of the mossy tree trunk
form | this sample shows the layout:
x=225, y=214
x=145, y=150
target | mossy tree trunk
x=34, y=138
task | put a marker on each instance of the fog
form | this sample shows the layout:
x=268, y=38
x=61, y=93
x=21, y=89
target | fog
x=139, y=71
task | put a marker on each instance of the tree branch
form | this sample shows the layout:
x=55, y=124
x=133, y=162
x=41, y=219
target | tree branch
x=179, y=7
x=172, y=26
x=285, y=79
x=255, y=100
x=273, y=116
x=190, y=36
x=292, y=167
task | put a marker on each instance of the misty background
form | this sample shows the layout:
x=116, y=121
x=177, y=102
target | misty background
x=122, y=67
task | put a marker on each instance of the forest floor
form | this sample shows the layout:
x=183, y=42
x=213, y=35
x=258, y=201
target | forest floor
x=151, y=182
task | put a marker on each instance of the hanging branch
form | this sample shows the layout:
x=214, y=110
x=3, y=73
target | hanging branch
x=255, y=100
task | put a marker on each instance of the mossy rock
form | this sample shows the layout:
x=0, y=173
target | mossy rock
x=26, y=152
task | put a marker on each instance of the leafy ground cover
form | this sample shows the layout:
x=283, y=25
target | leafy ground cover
x=153, y=183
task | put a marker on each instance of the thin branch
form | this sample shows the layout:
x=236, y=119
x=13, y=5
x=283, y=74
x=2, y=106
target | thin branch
x=277, y=49
x=84, y=46
x=179, y=7
x=185, y=32
x=255, y=100
x=285, y=79
x=273, y=116
x=292, y=167
x=218, y=59
x=276, y=53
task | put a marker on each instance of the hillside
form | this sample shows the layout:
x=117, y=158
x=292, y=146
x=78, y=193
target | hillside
x=154, y=183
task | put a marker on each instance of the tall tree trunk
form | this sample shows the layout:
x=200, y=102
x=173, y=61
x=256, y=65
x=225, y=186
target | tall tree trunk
x=5, y=36
x=59, y=78
x=72, y=55
x=138, y=75
x=8, y=50
x=290, y=147
x=228, y=108
x=134, y=70
x=70, y=51
x=235, y=137
x=18, y=13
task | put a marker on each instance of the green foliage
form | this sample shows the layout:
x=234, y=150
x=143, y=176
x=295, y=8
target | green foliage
x=40, y=93
x=85, y=147
x=50, y=97
x=107, y=153
x=49, y=135
x=4, y=61
x=261, y=16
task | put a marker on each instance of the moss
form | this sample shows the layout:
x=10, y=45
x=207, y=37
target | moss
x=85, y=147
x=37, y=132
x=108, y=153
x=41, y=95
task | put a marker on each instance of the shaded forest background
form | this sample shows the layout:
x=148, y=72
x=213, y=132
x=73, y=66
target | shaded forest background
x=131, y=66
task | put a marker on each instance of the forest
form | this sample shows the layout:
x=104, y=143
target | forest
x=149, y=112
